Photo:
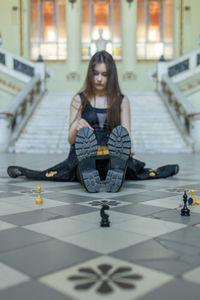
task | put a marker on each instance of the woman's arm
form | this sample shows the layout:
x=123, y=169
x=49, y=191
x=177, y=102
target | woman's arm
x=126, y=119
x=75, y=120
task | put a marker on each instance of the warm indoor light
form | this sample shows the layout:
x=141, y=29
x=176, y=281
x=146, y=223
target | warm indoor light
x=95, y=34
x=106, y=34
x=51, y=35
x=153, y=34
x=109, y=48
x=93, y=48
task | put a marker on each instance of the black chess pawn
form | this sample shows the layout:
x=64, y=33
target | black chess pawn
x=185, y=211
x=104, y=217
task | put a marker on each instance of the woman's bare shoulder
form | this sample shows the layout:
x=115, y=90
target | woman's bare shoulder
x=125, y=101
x=76, y=101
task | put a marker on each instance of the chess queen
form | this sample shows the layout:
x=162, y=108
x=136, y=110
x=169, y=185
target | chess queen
x=101, y=145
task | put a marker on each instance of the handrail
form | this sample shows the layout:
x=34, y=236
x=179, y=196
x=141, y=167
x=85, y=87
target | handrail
x=191, y=115
x=15, y=117
x=23, y=95
x=183, y=58
x=180, y=97
x=184, y=114
x=21, y=68
x=180, y=68
x=6, y=114
x=18, y=113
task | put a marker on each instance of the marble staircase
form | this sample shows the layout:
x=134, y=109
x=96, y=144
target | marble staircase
x=152, y=127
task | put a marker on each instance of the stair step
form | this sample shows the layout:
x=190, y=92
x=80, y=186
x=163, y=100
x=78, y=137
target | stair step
x=152, y=127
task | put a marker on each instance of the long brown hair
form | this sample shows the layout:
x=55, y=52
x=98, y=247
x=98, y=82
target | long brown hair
x=113, y=91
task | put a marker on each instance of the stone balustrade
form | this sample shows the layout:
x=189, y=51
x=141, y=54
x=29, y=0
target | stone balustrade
x=13, y=120
x=185, y=115
x=21, y=68
x=179, y=69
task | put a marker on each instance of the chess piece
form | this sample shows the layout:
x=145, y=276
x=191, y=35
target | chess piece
x=192, y=200
x=185, y=211
x=104, y=217
x=39, y=199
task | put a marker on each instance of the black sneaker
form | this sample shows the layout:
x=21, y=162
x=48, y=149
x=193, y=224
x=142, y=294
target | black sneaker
x=86, y=151
x=119, y=146
x=14, y=171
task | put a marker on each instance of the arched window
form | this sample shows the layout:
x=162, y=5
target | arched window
x=48, y=29
x=101, y=27
x=155, y=29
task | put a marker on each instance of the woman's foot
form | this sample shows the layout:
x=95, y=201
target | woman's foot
x=119, y=146
x=86, y=151
x=14, y=171
x=167, y=170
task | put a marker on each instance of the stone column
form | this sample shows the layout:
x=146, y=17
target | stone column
x=129, y=30
x=73, y=39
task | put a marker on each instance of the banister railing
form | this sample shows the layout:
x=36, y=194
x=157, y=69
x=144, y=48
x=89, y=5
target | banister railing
x=184, y=114
x=180, y=68
x=13, y=120
x=20, y=67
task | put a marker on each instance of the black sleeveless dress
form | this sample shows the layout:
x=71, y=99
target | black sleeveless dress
x=67, y=169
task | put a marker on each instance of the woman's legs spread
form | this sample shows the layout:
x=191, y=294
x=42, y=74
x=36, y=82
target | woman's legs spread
x=59, y=172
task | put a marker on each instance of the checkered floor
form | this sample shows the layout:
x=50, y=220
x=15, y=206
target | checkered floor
x=58, y=250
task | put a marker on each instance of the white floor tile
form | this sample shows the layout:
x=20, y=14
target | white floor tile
x=60, y=227
x=105, y=240
x=169, y=202
x=10, y=277
x=148, y=226
x=5, y=225
x=193, y=275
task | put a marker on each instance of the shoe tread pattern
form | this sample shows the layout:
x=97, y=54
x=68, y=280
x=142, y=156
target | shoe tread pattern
x=86, y=144
x=86, y=151
x=119, y=143
x=119, y=146
x=91, y=180
x=114, y=180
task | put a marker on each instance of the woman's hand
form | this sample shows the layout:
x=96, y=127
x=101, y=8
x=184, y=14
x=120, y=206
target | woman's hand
x=83, y=123
x=132, y=150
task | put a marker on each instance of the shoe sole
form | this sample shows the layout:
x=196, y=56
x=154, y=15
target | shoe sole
x=86, y=151
x=119, y=146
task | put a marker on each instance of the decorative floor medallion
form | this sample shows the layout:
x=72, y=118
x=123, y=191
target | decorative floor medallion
x=106, y=201
x=105, y=278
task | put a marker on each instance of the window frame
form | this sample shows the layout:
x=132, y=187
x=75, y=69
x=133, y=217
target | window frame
x=111, y=27
x=162, y=31
x=40, y=29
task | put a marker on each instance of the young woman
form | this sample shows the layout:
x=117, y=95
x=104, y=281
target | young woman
x=100, y=136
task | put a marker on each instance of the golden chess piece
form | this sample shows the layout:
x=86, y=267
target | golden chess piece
x=195, y=201
x=39, y=198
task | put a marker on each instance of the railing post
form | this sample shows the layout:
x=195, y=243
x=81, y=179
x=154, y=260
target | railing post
x=40, y=69
x=161, y=70
x=195, y=132
x=5, y=132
